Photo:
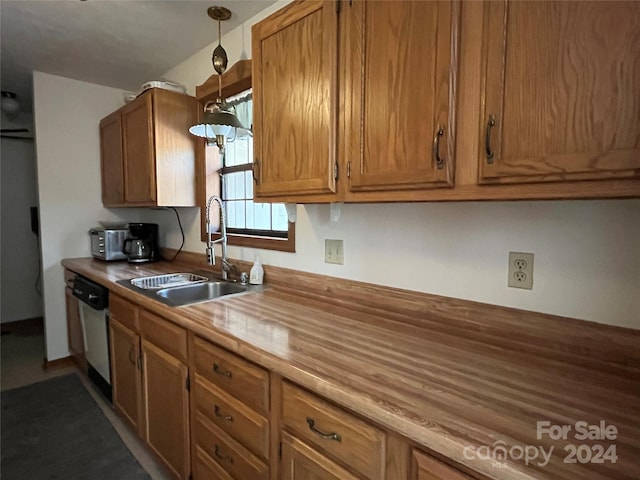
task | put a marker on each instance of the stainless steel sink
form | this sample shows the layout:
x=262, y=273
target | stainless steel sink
x=181, y=294
x=200, y=292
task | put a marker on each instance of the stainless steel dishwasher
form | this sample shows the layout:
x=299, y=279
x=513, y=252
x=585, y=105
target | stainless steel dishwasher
x=94, y=316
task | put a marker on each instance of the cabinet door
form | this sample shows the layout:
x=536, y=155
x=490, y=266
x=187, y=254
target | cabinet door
x=175, y=147
x=301, y=462
x=167, y=408
x=126, y=378
x=74, y=326
x=426, y=467
x=561, y=97
x=295, y=100
x=402, y=65
x=111, y=159
x=139, y=152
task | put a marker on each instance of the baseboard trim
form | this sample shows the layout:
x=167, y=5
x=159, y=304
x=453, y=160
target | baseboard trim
x=63, y=362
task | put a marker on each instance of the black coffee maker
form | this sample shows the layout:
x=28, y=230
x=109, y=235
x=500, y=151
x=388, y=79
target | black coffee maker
x=141, y=245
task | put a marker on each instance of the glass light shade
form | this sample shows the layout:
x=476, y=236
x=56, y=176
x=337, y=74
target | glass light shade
x=10, y=105
x=216, y=121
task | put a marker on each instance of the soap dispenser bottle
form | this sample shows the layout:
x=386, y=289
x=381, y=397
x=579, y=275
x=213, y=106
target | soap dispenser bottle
x=257, y=273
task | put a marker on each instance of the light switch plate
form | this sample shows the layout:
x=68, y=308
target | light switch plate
x=334, y=251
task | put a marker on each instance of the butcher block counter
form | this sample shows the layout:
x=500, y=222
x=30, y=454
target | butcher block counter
x=500, y=393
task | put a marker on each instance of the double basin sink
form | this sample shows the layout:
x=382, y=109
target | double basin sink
x=180, y=289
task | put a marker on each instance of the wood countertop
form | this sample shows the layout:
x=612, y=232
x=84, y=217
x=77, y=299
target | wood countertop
x=464, y=379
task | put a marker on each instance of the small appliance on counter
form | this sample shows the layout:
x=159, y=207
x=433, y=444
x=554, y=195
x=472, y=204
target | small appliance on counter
x=141, y=245
x=107, y=243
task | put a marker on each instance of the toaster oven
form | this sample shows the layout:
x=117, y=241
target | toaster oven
x=107, y=243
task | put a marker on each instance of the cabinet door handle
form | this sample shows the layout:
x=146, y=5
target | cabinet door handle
x=221, y=456
x=139, y=361
x=436, y=148
x=216, y=411
x=217, y=369
x=329, y=436
x=254, y=168
x=487, y=140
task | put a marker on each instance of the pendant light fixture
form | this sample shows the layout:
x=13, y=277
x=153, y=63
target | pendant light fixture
x=218, y=122
x=10, y=105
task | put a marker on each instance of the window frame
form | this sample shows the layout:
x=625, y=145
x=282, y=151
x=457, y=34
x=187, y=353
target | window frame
x=235, y=81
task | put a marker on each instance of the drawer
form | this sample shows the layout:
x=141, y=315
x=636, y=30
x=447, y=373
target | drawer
x=227, y=453
x=231, y=415
x=205, y=468
x=425, y=467
x=233, y=374
x=169, y=337
x=334, y=431
x=124, y=312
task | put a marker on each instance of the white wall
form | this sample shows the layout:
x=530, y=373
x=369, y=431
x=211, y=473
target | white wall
x=67, y=115
x=19, y=246
x=587, y=253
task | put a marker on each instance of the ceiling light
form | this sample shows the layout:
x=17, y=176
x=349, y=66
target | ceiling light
x=10, y=106
x=218, y=122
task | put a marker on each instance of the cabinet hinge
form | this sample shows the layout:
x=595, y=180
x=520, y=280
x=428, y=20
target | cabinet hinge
x=349, y=169
x=335, y=171
x=188, y=383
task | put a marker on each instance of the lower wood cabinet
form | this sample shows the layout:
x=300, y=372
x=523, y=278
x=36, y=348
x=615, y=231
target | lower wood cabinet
x=230, y=415
x=166, y=400
x=335, y=432
x=150, y=380
x=210, y=414
x=126, y=374
x=205, y=467
x=227, y=452
x=425, y=467
x=302, y=462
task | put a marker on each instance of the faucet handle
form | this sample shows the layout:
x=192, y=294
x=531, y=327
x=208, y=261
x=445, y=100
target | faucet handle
x=244, y=278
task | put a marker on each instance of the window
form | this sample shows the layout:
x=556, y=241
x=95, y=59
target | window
x=245, y=217
x=230, y=175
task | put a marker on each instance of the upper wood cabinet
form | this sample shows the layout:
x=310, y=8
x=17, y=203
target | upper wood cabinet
x=447, y=100
x=111, y=159
x=147, y=152
x=295, y=101
x=401, y=65
x=561, y=91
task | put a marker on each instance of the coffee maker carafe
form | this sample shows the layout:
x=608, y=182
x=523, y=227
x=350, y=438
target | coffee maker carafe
x=141, y=245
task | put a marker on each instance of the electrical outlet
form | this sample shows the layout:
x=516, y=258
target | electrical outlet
x=334, y=251
x=520, y=270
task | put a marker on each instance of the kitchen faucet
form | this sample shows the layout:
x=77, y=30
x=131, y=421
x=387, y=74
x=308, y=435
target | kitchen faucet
x=211, y=258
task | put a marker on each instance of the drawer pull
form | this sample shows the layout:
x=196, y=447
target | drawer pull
x=225, y=458
x=217, y=369
x=328, y=436
x=436, y=148
x=216, y=410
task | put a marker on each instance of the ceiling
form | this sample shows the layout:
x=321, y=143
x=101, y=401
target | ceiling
x=118, y=43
